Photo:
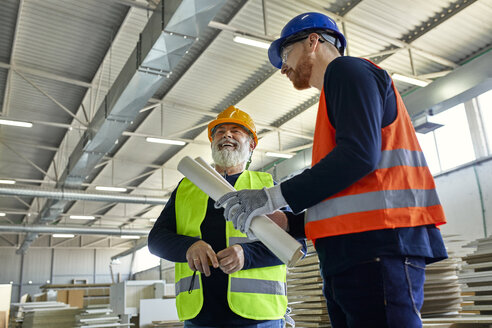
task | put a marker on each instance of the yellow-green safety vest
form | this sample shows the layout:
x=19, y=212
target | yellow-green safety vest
x=258, y=294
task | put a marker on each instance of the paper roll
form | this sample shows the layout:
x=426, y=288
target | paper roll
x=286, y=248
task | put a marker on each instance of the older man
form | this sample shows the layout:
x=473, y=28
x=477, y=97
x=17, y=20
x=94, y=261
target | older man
x=246, y=284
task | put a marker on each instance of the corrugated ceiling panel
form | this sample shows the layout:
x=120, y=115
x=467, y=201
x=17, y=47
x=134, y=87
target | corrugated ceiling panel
x=462, y=35
x=69, y=40
x=30, y=104
x=8, y=17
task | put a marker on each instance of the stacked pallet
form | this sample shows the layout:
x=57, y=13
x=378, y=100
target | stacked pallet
x=47, y=315
x=305, y=292
x=477, y=275
x=94, y=294
x=98, y=316
x=167, y=324
x=442, y=289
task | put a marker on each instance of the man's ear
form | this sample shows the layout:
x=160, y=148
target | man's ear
x=313, y=41
x=252, y=144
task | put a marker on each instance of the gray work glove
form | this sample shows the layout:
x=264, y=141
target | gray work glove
x=242, y=206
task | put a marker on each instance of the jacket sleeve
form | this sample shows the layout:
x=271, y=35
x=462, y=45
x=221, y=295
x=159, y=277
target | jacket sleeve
x=163, y=241
x=355, y=108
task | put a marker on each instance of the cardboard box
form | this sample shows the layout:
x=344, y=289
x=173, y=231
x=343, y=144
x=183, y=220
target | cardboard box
x=3, y=319
x=72, y=297
x=5, y=295
x=97, y=292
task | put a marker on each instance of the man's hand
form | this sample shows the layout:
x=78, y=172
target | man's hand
x=280, y=219
x=200, y=255
x=242, y=206
x=231, y=259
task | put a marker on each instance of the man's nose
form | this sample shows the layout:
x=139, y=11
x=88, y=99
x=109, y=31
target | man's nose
x=227, y=134
x=284, y=68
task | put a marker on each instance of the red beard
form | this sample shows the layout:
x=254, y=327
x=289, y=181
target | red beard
x=302, y=73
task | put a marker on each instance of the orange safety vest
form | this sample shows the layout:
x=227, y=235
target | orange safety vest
x=400, y=192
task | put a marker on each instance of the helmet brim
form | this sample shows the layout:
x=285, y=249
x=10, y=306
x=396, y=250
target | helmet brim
x=219, y=121
x=274, y=52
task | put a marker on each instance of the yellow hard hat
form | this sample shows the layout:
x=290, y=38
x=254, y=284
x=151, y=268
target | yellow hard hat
x=236, y=116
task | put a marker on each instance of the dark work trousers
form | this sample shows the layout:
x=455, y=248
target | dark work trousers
x=385, y=292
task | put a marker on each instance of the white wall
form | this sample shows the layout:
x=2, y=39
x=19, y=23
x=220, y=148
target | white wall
x=460, y=197
x=59, y=266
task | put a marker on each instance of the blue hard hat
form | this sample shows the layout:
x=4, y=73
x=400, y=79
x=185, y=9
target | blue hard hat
x=300, y=23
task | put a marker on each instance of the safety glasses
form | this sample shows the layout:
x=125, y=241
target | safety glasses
x=289, y=45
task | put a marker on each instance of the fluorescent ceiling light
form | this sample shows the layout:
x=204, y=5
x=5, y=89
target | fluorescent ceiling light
x=82, y=217
x=63, y=235
x=104, y=188
x=165, y=141
x=16, y=123
x=2, y=214
x=408, y=79
x=250, y=41
x=7, y=181
x=129, y=237
x=279, y=155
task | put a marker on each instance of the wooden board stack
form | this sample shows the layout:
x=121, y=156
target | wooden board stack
x=442, y=290
x=167, y=324
x=49, y=315
x=304, y=290
x=477, y=275
x=94, y=294
x=98, y=316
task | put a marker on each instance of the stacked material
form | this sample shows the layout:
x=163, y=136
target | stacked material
x=304, y=290
x=96, y=317
x=167, y=324
x=93, y=294
x=442, y=290
x=477, y=275
x=464, y=321
x=48, y=315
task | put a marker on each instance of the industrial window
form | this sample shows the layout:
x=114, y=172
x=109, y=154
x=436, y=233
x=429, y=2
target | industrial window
x=453, y=139
x=485, y=108
x=428, y=144
x=144, y=260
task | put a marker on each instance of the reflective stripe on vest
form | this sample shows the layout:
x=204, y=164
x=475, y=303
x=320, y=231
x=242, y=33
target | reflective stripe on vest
x=259, y=293
x=401, y=157
x=377, y=200
x=183, y=285
x=259, y=286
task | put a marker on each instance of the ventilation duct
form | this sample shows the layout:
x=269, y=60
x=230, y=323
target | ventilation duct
x=462, y=84
x=35, y=229
x=71, y=195
x=169, y=33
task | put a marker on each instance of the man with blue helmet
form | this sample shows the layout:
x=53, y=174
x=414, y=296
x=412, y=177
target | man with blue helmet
x=372, y=207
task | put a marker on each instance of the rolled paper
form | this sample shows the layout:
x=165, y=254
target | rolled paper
x=283, y=245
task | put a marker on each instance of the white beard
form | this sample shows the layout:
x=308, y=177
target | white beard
x=226, y=157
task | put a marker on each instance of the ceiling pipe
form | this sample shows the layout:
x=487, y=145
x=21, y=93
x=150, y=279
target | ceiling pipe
x=170, y=32
x=71, y=195
x=49, y=229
